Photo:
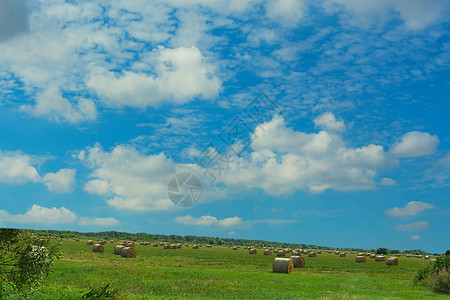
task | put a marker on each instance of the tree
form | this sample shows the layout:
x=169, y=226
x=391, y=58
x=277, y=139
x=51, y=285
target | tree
x=25, y=260
x=382, y=251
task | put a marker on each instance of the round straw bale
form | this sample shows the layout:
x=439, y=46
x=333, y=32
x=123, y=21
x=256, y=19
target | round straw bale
x=343, y=254
x=131, y=244
x=312, y=254
x=173, y=247
x=267, y=252
x=128, y=252
x=281, y=253
x=392, y=261
x=252, y=251
x=299, y=262
x=283, y=265
x=118, y=249
x=195, y=247
x=432, y=261
x=427, y=257
x=235, y=248
x=155, y=245
x=380, y=258
x=361, y=259
x=296, y=253
x=90, y=243
x=102, y=242
x=98, y=248
x=372, y=255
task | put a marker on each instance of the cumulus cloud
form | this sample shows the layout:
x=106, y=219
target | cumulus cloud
x=387, y=181
x=422, y=225
x=18, y=168
x=283, y=161
x=182, y=74
x=208, y=221
x=414, y=144
x=52, y=216
x=328, y=121
x=52, y=105
x=13, y=18
x=416, y=238
x=129, y=179
x=61, y=181
x=411, y=209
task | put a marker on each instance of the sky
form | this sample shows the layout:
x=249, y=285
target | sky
x=312, y=122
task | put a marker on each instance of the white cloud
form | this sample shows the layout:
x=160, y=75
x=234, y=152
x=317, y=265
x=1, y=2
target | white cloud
x=230, y=222
x=182, y=74
x=132, y=181
x=42, y=215
x=231, y=233
x=416, y=238
x=17, y=168
x=276, y=222
x=411, y=209
x=422, y=225
x=416, y=14
x=414, y=144
x=286, y=12
x=52, y=105
x=283, y=161
x=327, y=121
x=98, y=222
x=61, y=181
x=208, y=221
x=52, y=216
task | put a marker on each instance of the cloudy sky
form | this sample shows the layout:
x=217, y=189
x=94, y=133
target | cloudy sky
x=318, y=122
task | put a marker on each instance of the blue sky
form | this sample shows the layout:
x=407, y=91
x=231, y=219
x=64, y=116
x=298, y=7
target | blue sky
x=341, y=108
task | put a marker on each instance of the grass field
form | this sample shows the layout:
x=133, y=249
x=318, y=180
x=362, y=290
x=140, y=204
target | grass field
x=221, y=272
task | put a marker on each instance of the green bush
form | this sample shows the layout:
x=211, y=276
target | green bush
x=25, y=260
x=436, y=276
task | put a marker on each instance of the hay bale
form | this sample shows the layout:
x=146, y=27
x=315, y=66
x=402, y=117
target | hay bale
x=432, y=261
x=281, y=253
x=155, y=245
x=427, y=257
x=392, y=261
x=267, y=252
x=90, y=243
x=173, y=246
x=130, y=244
x=118, y=249
x=380, y=258
x=299, y=262
x=195, y=247
x=98, y=248
x=283, y=265
x=372, y=256
x=102, y=242
x=361, y=259
x=128, y=252
x=319, y=252
x=252, y=251
x=296, y=253
x=343, y=254
x=235, y=248
x=312, y=254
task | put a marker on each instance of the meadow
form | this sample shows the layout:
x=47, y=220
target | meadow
x=223, y=273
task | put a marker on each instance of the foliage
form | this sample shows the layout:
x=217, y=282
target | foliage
x=382, y=251
x=25, y=260
x=436, y=276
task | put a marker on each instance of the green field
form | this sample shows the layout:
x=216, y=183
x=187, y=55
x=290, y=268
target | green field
x=221, y=272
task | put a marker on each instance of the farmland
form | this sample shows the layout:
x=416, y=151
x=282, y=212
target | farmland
x=220, y=272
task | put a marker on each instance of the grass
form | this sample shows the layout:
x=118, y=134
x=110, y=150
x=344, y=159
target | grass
x=223, y=273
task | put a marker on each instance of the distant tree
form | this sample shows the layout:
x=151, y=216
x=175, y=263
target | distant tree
x=382, y=251
x=447, y=252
